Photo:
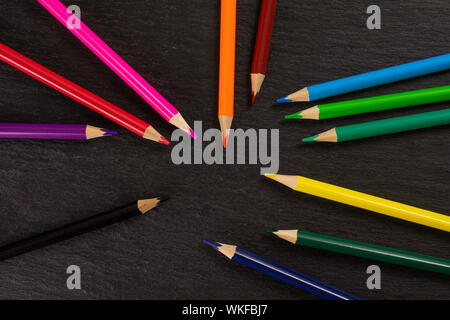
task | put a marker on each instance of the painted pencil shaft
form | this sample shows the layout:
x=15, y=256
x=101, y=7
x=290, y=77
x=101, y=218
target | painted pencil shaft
x=373, y=104
x=385, y=126
x=366, y=250
x=79, y=94
x=371, y=79
x=77, y=228
x=51, y=131
x=364, y=201
x=227, y=66
x=262, y=45
x=116, y=63
x=280, y=272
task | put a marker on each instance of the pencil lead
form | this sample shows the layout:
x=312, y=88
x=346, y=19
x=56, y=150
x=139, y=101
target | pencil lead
x=271, y=176
x=283, y=100
x=225, y=139
x=163, y=199
x=310, y=139
x=271, y=231
x=293, y=116
x=192, y=134
x=288, y=235
x=213, y=244
x=254, y=97
x=107, y=132
x=164, y=141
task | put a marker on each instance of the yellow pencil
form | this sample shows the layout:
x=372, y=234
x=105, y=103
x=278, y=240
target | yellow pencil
x=364, y=201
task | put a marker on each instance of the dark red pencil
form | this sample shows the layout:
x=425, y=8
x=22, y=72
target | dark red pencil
x=262, y=45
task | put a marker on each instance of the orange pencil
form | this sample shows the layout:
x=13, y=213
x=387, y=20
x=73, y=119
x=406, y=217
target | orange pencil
x=227, y=66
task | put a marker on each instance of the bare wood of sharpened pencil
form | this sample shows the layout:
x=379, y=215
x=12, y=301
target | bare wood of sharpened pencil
x=146, y=205
x=312, y=113
x=257, y=81
x=94, y=132
x=151, y=134
x=227, y=250
x=288, y=235
x=327, y=136
x=299, y=96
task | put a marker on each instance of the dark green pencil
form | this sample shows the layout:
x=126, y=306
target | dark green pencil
x=364, y=250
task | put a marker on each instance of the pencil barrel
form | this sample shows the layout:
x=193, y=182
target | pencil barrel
x=42, y=131
x=72, y=90
x=374, y=252
x=372, y=203
x=227, y=58
x=264, y=36
x=68, y=231
x=385, y=102
x=393, y=125
x=379, y=77
x=289, y=276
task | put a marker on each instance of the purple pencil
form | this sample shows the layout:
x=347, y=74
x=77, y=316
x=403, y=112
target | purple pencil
x=52, y=131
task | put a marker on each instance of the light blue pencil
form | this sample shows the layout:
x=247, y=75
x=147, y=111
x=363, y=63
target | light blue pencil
x=370, y=79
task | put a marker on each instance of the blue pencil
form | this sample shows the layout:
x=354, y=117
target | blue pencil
x=280, y=272
x=370, y=79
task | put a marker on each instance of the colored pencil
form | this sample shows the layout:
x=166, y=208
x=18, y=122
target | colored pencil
x=364, y=250
x=52, y=131
x=77, y=228
x=280, y=272
x=117, y=64
x=227, y=66
x=262, y=45
x=370, y=79
x=79, y=94
x=364, y=201
x=383, y=127
x=379, y=103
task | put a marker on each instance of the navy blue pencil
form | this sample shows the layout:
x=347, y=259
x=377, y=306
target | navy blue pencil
x=280, y=272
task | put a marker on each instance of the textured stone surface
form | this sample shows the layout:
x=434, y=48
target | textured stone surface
x=174, y=44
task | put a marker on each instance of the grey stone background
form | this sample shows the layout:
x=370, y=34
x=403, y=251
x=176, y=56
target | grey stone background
x=174, y=45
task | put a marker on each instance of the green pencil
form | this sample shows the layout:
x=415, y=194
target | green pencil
x=382, y=127
x=364, y=250
x=380, y=103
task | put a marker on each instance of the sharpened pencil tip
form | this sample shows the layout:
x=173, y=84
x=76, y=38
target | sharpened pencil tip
x=213, y=244
x=271, y=231
x=293, y=116
x=310, y=139
x=283, y=100
x=107, y=132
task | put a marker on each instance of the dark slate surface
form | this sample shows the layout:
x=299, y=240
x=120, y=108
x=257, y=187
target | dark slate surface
x=174, y=44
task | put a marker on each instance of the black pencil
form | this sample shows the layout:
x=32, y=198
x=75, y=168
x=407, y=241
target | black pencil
x=137, y=208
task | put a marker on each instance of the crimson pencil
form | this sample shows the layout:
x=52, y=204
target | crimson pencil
x=262, y=45
x=80, y=94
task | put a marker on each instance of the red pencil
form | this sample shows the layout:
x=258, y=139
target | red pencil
x=262, y=46
x=79, y=94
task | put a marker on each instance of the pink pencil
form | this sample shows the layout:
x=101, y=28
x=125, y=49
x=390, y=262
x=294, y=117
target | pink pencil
x=117, y=64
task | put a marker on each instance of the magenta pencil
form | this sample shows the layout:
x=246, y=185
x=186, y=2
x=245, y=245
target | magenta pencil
x=52, y=131
x=117, y=64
